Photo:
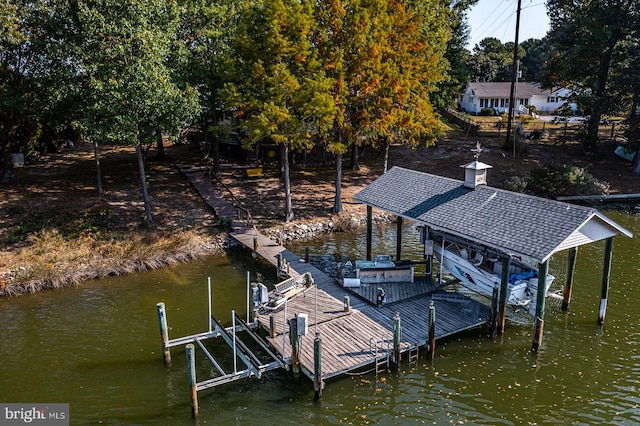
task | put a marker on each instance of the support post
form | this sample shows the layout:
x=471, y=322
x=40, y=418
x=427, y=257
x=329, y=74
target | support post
x=255, y=244
x=380, y=297
x=295, y=345
x=191, y=366
x=493, y=322
x=538, y=326
x=369, y=231
x=272, y=326
x=164, y=333
x=318, y=384
x=571, y=267
x=306, y=255
x=605, y=280
x=399, y=238
x=347, y=303
x=504, y=288
x=279, y=261
x=397, y=332
x=432, y=330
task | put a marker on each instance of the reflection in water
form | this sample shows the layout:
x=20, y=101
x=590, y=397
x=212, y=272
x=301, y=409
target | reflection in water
x=97, y=347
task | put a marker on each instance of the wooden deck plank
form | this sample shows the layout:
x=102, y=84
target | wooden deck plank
x=346, y=336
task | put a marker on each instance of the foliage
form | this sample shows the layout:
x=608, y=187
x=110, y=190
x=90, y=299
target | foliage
x=488, y=111
x=516, y=184
x=594, y=44
x=564, y=179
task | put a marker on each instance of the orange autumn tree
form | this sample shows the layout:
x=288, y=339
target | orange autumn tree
x=385, y=57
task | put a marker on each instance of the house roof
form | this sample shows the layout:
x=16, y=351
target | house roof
x=511, y=223
x=503, y=90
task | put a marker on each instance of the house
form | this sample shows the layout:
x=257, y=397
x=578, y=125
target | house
x=496, y=95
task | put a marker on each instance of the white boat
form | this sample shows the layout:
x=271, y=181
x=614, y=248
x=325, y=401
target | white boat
x=482, y=275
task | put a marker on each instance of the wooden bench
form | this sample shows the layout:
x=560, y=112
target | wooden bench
x=286, y=286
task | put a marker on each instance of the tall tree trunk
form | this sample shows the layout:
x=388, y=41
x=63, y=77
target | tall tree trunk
x=337, y=205
x=161, y=153
x=96, y=155
x=5, y=151
x=355, y=161
x=215, y=147
x=143, y=182
x=386, y=156
x=288, y=210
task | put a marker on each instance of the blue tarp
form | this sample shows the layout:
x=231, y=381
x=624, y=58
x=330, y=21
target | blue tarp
x=521, y=276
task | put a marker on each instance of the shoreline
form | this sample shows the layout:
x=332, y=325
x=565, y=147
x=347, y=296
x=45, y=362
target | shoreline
x=195, y=248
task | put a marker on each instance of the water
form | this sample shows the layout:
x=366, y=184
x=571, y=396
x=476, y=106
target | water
x=97, y=347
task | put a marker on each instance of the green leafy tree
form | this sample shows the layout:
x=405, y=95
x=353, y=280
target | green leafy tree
x=38, y=74
x=491, y=60
x=590, y=40
x=207, y=31
x=533, y=62
x=130, y=88
x=280, y=90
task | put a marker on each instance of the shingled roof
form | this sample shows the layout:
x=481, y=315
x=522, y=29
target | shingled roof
x=512, y=223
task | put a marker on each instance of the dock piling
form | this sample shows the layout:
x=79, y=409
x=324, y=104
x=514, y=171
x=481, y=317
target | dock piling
x=605, y=280
x=295, y=345
x=397, y=331
x=318, y=384
x=191, y=366
x=306, y=255
x=272, y=326
x=571, y=267
x=164, y=333
x=347, y=303
x=493, y=322
x=432, y=330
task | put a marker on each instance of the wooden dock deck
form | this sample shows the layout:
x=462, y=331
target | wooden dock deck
x=349, y=338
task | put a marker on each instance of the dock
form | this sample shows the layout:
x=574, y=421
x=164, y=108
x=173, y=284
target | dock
x=357, y=338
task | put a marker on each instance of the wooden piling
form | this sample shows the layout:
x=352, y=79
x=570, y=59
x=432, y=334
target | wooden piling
x=504, y=288
x=295, y=345
x=318, y=384
x=164, y=333
x=538, y=326
x=493, y=321
x=279, y=261
x=306, y=255
x=272, y=326
x=379, y=297
x=255, y=244
x=432, y=330
x=191, y=366
x=397, y=332
x=347, y=303
x=605, y=280
x=571, y=267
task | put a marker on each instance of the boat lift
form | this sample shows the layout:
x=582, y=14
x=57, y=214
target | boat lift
x=253, y=366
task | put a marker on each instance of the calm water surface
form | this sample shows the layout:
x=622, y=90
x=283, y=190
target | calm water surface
x=97, y=347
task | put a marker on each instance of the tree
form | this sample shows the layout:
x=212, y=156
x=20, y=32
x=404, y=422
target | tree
x=207, y=30
x=456, y=54
x=385, y=58
x=491, y=60
x=533, y=62
x=130, y=88
x=280, y=90
x=38, y=74
x=589, y=39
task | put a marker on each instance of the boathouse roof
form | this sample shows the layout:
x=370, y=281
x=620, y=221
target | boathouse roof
x=509, y=222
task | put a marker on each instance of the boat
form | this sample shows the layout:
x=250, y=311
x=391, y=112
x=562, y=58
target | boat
x=382, y=269
x=481, y=274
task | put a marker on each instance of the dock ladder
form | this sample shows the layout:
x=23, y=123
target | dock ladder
x=377, y=347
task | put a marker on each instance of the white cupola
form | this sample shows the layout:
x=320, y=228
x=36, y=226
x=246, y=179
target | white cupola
x=475, y=173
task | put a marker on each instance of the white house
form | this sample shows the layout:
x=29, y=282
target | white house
x=496, y=95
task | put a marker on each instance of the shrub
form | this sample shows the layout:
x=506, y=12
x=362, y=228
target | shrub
x=554, y=180
x=488, y=111
x=516, y=184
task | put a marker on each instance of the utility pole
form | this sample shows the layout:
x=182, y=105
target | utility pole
x=514, y=77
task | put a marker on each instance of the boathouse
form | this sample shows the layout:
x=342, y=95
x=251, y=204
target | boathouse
x=507, y=224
